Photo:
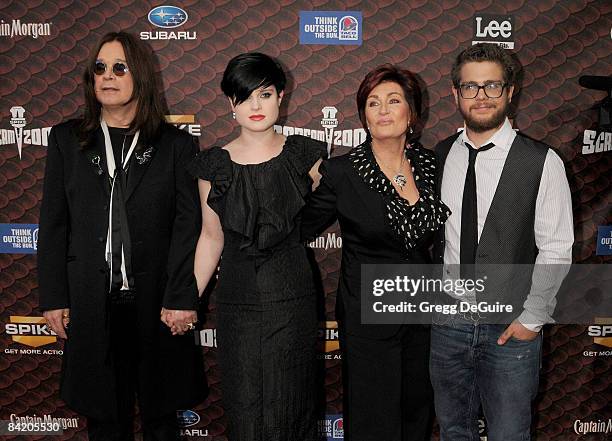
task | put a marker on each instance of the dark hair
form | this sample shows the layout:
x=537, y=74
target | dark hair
x=248, y=72
x=485, y=52
x=394, y=74
x=150, y=108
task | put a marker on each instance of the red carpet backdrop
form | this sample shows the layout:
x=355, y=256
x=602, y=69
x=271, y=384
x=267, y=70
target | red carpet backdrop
x=326, y=47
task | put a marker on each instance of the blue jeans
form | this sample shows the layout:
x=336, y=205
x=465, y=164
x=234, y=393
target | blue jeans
x=469, y=369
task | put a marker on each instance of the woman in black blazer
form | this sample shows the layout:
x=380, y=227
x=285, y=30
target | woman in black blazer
x=119, y=222
x=383, y=195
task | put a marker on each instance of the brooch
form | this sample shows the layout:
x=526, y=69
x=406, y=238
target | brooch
x=95, y=160
x=145, y=156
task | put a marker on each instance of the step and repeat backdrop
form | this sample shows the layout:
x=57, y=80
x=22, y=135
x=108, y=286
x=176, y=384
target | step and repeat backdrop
x=326, y=47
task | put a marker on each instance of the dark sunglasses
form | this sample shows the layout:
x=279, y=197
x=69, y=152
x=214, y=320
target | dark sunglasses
x=119, y=69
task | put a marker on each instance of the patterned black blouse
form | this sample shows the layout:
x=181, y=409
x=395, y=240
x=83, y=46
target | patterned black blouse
x=410, y=222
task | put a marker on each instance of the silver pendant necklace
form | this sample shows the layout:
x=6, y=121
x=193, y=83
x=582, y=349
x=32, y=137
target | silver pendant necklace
x=399, y=178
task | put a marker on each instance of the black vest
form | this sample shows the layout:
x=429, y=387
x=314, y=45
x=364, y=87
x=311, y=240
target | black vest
x=508, y=235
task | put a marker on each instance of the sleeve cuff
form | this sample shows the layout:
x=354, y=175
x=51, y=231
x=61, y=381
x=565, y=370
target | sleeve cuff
x=186, y=299
x=530, y=321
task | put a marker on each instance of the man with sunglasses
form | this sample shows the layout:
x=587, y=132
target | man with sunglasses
x=119, y=222
x=511, y=204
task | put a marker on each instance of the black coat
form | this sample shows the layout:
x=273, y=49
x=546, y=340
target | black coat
x=164, y=220
x=367, y=237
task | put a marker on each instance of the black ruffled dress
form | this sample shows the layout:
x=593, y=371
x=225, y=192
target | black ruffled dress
x=266, y=313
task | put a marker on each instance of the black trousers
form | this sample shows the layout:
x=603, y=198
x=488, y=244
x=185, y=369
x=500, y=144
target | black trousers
x=161, y=429
x=387, y=390
x=125, y=357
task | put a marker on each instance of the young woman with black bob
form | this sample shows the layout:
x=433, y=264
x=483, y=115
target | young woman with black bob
x=252, y=191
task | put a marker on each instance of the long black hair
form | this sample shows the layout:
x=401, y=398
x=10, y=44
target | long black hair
x=150, y=108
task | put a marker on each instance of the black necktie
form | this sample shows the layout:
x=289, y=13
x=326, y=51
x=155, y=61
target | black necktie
x=469, y=215
x=116, y=227
x=120, y=239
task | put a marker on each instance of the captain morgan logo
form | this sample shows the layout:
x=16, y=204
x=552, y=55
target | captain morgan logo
x=19, y=135
x=329, y=134
x=326, y=242
x=599, y=426
x=17, y=28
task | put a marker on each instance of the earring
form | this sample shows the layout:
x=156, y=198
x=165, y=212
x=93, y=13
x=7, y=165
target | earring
x=233, y=115
x=411, y=130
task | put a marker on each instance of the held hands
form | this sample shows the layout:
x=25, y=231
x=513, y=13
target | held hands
x=57, y=321
x=518, y=331
x=179, y=321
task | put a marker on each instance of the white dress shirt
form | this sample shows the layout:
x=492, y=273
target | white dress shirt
x=554, y=232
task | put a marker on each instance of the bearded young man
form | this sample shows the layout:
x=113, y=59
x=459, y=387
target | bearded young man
x=511, y=204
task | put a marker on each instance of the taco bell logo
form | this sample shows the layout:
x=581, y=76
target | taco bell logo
x=18, y=238
x=167, y=17
x=604, y=240
x=349, y=28
x=331, y=27
x=338, y=429
x=35, y=239
x=331, y=428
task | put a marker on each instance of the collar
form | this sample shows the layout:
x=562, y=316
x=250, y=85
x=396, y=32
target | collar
x=410, y=223
x=502, y=139
x=364, y=162
x=110, y=158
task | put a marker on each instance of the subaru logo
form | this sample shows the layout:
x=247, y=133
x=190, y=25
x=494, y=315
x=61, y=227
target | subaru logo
x=167, y=16
x=186, y=418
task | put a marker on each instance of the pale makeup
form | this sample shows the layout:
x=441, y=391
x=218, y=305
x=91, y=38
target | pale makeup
x=113, y=91
x=260, y=110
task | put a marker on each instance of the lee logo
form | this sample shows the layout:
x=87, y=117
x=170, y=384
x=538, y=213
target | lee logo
x=493, y=29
